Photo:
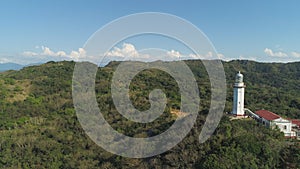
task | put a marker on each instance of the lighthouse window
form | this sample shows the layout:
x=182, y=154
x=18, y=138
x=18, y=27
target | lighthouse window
x=284, y=127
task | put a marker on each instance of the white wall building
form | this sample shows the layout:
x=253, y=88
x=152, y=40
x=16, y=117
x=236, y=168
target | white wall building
x=296, y=127
x=238, y=96
x=290, y=128
x=273, y=120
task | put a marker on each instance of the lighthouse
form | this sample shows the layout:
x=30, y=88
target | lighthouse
x=238, y=95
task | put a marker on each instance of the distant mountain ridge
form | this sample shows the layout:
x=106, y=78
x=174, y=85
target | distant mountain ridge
x=14, y=66
x=10, y=66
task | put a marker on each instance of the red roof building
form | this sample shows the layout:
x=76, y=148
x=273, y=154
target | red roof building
x=295, y=122
x=273, y=120
x=267, y=115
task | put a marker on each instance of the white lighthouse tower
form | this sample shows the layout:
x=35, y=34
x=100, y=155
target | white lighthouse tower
x=238, y=95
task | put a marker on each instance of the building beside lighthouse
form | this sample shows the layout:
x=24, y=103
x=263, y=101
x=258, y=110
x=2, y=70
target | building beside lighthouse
x=238, y=95
x=272, y=120
x=289, y=127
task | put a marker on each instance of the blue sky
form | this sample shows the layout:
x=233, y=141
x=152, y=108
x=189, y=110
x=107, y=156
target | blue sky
x=265, y=31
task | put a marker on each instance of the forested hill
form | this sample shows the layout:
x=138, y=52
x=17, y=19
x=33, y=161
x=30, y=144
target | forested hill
x=39, y=127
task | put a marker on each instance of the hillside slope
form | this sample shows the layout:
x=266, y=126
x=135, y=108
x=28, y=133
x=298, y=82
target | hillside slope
x=39, y=127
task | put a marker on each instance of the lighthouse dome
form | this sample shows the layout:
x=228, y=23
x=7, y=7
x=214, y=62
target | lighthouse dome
x=239, y=77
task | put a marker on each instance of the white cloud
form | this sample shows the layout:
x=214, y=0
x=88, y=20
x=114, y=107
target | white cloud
x=269, y=52
x=60, y=53
x=81, y=53
x=174, y=53
x=47, y=52
x=295, y=54
x=74, y=54
x=242, y=57
x=208, y=55
x=29, y=53
x=193, y=56
x=4, y=60
x=220, y=56
x=127, y=50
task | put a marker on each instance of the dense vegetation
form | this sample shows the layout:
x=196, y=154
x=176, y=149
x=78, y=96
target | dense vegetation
x=39, y=127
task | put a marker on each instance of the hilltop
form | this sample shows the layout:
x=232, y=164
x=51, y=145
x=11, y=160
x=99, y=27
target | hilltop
x=39, y=127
